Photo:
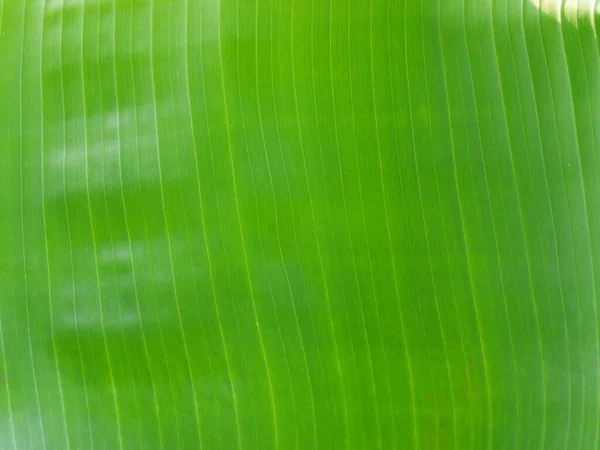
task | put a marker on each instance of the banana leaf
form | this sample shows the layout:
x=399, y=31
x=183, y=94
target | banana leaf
x=299, y=224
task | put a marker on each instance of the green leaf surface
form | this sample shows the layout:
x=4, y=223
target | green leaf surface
x=299, y=224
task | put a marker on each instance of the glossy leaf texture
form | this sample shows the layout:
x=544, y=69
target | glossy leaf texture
x=299, y=224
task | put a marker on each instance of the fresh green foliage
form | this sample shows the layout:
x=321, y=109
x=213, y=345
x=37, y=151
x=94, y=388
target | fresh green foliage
x=299, y=224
